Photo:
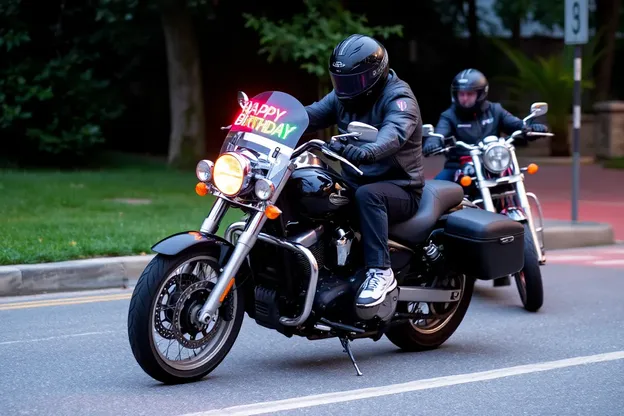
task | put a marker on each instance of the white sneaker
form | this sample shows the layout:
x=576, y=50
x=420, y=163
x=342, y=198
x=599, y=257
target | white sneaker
x=378, y=282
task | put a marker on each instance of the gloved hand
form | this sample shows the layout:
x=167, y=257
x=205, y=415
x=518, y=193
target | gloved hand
x=432, y=144
x=358, y=155
x=336, y=146
x=537, y=128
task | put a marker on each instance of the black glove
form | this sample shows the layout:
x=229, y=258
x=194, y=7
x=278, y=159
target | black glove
x=336, y=146
x=537, y=128
x=358, y=155
x=432, y=144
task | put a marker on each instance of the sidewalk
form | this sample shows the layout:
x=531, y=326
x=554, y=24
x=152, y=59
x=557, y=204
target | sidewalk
x=601, y=195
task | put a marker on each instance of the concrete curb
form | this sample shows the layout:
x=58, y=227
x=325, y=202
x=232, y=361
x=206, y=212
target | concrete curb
x=566, y=234
x=97, y=273
x=117, y=272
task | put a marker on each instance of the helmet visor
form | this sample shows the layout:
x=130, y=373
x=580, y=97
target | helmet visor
x=350, y=85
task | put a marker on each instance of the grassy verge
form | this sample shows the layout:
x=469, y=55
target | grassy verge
x=617, y=163
x=52, y=216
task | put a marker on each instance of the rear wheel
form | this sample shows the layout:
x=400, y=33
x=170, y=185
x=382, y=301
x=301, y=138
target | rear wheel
x=529, y=279
x=442, y=320
x=167, y=340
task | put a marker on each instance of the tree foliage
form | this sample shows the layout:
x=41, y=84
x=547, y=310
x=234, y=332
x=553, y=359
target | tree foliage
x=54, y=100
x=310, y=37
x=552, y=78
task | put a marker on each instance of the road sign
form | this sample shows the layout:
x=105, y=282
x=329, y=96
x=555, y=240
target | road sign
x=576, y=22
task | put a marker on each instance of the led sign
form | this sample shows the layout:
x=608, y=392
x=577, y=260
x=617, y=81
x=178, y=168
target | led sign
x=264, y=118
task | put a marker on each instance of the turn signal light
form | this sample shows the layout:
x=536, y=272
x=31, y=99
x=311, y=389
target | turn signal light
x=272, y=212
x=201, y=189
x=465, y=181
x=532, y=169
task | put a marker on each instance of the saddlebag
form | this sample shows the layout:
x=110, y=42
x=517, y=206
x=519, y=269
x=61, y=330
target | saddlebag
x=483, y=244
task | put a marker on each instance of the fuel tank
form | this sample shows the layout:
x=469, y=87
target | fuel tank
x=317, y=193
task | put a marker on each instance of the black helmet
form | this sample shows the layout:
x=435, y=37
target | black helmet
x=470, y=80
x=358, y=68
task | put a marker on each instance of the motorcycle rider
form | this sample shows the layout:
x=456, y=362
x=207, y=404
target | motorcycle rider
x=470, y=118
x=365, y=89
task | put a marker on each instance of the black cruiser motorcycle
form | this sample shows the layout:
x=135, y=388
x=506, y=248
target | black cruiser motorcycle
x=294, y=263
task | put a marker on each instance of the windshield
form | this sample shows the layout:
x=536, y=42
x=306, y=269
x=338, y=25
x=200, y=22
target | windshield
x=270, y=126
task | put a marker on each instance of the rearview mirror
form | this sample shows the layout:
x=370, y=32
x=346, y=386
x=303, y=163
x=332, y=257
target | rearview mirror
x=427, y=130
x=242, y=99
x=367, y=132
x=539, y=109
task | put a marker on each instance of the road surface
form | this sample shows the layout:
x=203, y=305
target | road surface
x=68, y=354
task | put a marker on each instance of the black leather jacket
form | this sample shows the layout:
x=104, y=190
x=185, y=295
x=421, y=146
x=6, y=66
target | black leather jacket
x=491, y=120
x=398, y=149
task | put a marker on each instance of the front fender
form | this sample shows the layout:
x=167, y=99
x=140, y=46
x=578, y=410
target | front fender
x=177, y=243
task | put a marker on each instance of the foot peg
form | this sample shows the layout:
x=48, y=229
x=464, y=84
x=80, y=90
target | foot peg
x=347, y=348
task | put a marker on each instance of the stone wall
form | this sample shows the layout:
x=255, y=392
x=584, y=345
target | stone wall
x=609, y=137
x=541, y=147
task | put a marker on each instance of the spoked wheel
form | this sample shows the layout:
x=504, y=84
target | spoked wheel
x=437, y=321
x=529, y=279
x=166, y=337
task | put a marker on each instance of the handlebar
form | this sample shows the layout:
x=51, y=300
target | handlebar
x=477, y=147
x=322, y=146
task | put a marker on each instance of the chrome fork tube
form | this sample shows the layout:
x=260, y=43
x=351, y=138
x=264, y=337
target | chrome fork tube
x=524, y=203
x=486, y=196
x=211, y=223
x=244, y=244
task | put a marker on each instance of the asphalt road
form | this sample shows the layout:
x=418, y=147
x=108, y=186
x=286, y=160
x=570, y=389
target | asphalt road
x=69, y=354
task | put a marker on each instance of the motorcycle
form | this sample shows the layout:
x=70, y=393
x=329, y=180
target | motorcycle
x=294, y=263
x=493, y=180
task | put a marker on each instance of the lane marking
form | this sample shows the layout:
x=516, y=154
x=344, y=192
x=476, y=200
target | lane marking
x=64, y=301
x=568, y=257
x=84, y=334
x=609, y=262
x=432, y=383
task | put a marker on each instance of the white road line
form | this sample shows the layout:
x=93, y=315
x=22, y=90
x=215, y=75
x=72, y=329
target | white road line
x=609, y=262
x=432, y=383
x=84, y=334
x=568, y=257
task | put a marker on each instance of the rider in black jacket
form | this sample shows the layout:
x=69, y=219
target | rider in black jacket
x=365, y=89
x=470, y=119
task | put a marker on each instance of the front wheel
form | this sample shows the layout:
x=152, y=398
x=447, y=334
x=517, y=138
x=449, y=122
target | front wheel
x=529, y=279
x=430, y=333
x=167, y=340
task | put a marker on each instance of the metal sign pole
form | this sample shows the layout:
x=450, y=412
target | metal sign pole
x=576, y=28
x=577, y=132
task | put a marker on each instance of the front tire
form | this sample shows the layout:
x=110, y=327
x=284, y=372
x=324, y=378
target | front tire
x=183, y=296
x=410, y=336
x=529, y=279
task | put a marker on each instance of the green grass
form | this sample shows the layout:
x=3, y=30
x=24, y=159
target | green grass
x=52, y=216
x=617, y=163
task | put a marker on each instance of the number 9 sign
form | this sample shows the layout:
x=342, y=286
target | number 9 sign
x=576, y=22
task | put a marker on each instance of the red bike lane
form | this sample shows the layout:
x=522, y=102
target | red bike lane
x=601, y=192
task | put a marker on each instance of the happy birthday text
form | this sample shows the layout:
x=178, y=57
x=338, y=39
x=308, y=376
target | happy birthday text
x=265, y=118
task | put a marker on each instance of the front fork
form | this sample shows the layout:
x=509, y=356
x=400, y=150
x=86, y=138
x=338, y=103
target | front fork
x=243, y=246
x=521, y=193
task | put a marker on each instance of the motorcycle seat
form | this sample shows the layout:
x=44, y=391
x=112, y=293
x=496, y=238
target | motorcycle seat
x=438, y=196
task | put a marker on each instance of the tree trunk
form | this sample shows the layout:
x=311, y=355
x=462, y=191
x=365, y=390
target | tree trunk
x=187, y=138
x=607, y=19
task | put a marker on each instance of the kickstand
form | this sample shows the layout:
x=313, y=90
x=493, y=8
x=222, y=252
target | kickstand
x=347, y=348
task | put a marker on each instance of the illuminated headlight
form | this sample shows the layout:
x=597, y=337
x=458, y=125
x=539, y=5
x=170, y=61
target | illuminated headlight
x=264, y=189
x=203, y=170
x=230, y=173
x=497, y=158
